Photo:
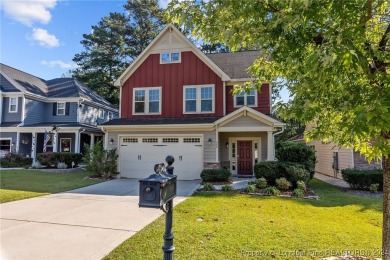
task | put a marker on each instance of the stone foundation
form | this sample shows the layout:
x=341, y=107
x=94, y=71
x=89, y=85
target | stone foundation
x=211, y=165
x=225, y=164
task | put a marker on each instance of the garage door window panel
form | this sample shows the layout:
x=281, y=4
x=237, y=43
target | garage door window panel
x=147, y=101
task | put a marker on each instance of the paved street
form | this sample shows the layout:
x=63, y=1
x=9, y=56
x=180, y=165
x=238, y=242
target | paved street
x=87, y=223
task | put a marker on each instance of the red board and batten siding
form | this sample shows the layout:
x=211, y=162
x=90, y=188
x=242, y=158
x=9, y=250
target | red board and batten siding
x=171, y=78
x=263, y=100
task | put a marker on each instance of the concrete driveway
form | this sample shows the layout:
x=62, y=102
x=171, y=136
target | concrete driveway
x=86, y=223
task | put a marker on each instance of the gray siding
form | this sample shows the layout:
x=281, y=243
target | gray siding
x=89, y=115
x=6, y=86
x=245, y=121
x=72, y=117
x=11, y=117
x=35, y=111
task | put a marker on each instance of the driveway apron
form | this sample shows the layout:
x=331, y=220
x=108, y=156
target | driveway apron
x=86, y=223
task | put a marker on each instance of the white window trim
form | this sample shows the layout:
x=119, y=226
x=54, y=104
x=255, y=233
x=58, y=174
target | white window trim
x=16, y=105
x=10, y=142
x=102, y=113
x=110, y=115
x=198, y=99
x=70, y=147
x=245, y=100
x=170, y=57
x=58, y=114
x=147, y=101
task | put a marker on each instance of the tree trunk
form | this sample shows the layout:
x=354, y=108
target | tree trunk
x=386, y=208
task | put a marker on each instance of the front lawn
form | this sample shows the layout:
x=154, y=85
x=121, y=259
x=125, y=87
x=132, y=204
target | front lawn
x=23, y=184
x=235, y=226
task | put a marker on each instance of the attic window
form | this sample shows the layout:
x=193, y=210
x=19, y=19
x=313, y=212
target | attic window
x=170, y=57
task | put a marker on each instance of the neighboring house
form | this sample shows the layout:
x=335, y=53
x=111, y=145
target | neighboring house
x=64, y=108
x=176, y=100
x=331, y=159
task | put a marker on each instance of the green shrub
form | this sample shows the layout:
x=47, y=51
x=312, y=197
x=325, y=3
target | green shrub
x=251, y=182
x=100, y=161
x=283, y=184
x=36, y=165
x=296, y=172
x=362, y=179
x=272, y=191
x=215, y=175
x=227, y=188
x=271, y=171
x=249, y=189
x=298, y=153
x=374, y=188
x=299, y=193
x=208, y=187
x=52, y=159
x=301, y=185
x=261, y=183
x=11, y=160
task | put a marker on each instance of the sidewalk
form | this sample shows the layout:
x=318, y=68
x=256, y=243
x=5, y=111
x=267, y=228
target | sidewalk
x=331, y=180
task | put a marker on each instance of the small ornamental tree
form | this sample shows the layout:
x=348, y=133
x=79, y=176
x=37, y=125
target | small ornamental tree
x=333, y=56
x=100, y=161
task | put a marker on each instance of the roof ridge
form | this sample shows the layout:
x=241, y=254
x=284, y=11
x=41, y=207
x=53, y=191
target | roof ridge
x=230, y=52
x=23, y=72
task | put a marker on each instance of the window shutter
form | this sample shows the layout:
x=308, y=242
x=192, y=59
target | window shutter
x=54, y=109
x=67, y=106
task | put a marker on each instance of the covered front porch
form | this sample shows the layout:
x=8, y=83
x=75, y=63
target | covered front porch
x=246, y=137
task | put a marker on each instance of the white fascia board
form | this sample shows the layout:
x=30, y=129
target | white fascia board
x=175, y=127
x=98, y=105
x=246, y=129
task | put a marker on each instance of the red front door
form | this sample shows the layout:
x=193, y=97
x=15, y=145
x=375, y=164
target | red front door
x=244, y=158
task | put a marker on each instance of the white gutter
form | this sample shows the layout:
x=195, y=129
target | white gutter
x=273, y=137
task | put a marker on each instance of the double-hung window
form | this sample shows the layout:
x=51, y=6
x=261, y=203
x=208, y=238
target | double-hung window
x=147, y=101
x=246, y=99
x=60, y=108
x=199, y=99
x=13, y=104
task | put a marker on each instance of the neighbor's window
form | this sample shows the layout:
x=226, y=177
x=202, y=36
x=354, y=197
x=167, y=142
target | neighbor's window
x=147, y=101
x=199, y=99
x=101, y=113
x=170, y=57
x=13, y=104
x=60, y=108
x=245, y=99
x=110, y=115
x=5, y=147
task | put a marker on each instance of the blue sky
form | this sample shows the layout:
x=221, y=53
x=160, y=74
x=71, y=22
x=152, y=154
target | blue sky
x=41, y=37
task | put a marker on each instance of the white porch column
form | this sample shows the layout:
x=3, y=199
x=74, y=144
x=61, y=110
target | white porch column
x=33, y=145
x=270, y=146
x=217, y=145
x=17, y=142
x=77, y=142
x=92, y=142
x=55, y=142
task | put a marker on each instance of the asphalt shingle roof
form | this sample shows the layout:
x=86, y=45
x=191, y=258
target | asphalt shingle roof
x=162, y=121
x=234, y=64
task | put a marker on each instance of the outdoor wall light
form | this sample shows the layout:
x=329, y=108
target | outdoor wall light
x=227, y=144
x=112, y=141
x=210, y=140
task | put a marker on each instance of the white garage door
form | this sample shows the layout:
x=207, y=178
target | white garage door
x=138, y=155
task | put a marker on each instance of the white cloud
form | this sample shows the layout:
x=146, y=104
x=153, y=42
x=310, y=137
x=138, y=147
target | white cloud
x=44, y=38
x=60, y=63
x=163, y=3
x=28, y=11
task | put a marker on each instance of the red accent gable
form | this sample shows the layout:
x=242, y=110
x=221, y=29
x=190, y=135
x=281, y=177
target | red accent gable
x=171, y=78
x=263, y=100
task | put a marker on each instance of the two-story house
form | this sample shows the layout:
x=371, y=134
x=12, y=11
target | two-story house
x=174, y=99
x=64, y=108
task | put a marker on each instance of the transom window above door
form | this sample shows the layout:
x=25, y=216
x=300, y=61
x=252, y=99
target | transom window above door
x=198, y=99
x=246, y=99
x=147, y=101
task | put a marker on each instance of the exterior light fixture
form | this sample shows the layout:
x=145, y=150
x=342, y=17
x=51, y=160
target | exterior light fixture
x=112, y=141
x=210, y=140
x=227, y=144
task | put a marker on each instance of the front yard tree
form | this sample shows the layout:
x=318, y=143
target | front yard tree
x=114, y=43
x=333, y=56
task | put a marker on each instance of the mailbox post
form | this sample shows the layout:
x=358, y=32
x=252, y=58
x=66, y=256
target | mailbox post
x=157, y=191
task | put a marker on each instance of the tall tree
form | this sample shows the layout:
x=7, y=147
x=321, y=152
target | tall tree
x=333, y=56
x=114, y=43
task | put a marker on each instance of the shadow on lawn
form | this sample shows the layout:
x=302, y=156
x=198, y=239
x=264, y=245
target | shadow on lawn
x=330, y=196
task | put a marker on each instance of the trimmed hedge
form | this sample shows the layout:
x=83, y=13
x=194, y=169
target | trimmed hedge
x=362, y=179
x=298, y=153
x=271, y=171
x=52, y=159
x=215, y=175
x=15, y=160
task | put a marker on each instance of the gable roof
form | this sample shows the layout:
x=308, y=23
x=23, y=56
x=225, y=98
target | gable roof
x=235, y=64
x=14, y=80
x=170, y=28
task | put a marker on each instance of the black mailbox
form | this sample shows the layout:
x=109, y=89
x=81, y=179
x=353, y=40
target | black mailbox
x=157, y=189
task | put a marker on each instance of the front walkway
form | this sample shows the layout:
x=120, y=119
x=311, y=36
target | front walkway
x=331, y=180
x=86, y=223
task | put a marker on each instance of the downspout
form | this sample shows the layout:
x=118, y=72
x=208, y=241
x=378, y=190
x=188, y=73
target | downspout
x=273, y=138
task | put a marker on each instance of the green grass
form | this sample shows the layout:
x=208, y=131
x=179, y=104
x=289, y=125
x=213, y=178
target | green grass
x=24, y=184
x=234, y=223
